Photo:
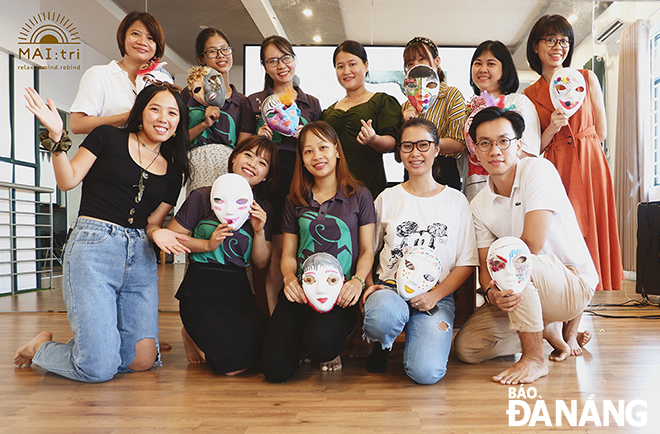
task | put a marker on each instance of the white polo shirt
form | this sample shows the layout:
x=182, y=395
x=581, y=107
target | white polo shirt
x=105, y=90
x=536, y=186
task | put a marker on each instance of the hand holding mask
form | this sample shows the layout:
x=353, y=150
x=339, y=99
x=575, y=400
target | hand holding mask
x=418, y=272
x=322, y=280
x=231, y=198
x=421, y=86
x=567, y=90
x=510, y=263
x=280, y=112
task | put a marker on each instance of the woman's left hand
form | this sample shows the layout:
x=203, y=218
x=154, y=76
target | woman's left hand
x=297, y=132
x=367, y=133
x=350, y=293
x=424, y=302
x=168, y=241
x=257, y=217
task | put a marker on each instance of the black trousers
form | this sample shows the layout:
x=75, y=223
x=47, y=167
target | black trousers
x=295, y=327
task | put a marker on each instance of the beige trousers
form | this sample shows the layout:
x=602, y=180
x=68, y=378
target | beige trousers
x=555, y=293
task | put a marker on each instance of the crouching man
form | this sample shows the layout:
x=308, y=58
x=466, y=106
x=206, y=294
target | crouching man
x=525, y=198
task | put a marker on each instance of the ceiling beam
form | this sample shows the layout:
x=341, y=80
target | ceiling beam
x=264, y=17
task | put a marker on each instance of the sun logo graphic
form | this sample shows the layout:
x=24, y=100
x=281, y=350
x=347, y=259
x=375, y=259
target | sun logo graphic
x=53, y=38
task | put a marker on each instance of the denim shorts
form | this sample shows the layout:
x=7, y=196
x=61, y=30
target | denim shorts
x=110, y=287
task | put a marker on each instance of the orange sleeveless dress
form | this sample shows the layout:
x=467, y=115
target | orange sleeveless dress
x=577, y=154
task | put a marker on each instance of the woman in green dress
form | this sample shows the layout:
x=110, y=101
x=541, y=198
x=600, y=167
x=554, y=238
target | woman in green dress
x=366, y=122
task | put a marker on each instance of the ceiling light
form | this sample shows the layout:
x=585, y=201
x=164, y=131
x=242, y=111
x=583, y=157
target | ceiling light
x=203, y=27
x=307, y=12
x=317, y=38
x=572, y=18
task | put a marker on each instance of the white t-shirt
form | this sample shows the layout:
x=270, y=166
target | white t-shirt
x=105, y=90
x=536, y=186
x=531, y=139
x=443, y=222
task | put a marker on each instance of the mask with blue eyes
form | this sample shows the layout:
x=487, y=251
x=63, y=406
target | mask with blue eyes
x=281, y=112
x=418, y=272
x=231, y=198
x=421, y=86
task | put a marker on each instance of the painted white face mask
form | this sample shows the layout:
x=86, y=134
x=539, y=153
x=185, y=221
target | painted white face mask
x=152, y=72
x=231, y=198
x=322, y=279
x=567, y=90
x=421, y=86
x=418, y=272
x=510, y=263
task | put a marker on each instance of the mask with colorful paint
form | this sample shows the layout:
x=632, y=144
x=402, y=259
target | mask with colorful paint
x=567, y=90
x=231, y=198
x=421, y=86
x=281, y=112
x=151, y=71
x=322, y=279
x=510, y=263
x=418, y=272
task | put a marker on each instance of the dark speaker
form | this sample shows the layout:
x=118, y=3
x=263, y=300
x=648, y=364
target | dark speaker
x=648, y=248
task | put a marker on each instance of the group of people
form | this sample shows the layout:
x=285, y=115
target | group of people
x=314, y=192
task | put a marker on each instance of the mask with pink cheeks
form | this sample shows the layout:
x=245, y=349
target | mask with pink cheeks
x=231, y=198
x=421, y=86
x=281, y=112
x=567, y=90
x=510, y=263
x=322, y=279
x=418, y=272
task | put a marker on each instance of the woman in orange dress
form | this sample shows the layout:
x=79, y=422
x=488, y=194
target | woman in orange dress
x=573, y=144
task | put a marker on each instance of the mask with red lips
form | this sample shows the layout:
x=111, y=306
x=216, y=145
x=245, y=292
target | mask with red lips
x=231, y=198
x=567, y=90
x=421, y=86
x=418, y=272
x=510, y=263
x=322, y=279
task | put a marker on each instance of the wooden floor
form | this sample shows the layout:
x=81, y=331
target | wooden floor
x=622, y=363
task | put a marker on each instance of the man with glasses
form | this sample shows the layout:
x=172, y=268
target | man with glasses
x=525, y=198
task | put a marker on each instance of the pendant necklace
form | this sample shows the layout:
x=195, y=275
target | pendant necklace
x=143, y=174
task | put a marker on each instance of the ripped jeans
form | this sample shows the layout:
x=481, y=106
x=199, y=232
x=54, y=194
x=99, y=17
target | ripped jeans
x=428, y=337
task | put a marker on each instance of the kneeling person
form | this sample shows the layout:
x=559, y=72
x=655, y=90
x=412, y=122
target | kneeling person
x=526, y=199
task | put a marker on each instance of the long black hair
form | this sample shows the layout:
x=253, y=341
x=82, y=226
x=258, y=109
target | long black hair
x=174, y=149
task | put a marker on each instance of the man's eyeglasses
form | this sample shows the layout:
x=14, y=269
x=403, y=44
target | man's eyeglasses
x=422, y=146
x=503, y=143
x=274, y=61
x=551, y=42
x=212, y=53
x=170, y=86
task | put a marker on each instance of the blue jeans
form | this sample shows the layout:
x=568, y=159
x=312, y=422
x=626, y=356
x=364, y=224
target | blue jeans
x=428, y=337
x=110, y=288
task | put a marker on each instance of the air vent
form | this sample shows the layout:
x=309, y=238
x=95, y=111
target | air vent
x=610, y=30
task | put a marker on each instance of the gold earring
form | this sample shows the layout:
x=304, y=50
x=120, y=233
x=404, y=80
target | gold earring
x=174, y=134
x=140, y=127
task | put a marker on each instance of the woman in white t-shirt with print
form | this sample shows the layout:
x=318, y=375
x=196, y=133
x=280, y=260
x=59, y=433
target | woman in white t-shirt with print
x=418, y=212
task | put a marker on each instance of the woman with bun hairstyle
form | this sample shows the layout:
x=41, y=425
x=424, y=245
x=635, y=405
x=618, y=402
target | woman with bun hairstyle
x=573, y=144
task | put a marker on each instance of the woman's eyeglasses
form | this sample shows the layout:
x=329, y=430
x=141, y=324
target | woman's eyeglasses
x=551, y=42
x=422, y=146
x=503, y=143
x=212, y=53
x=274, y=61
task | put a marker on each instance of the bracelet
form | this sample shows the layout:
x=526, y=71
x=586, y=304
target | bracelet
x=486, y=294
x=361, y=281
x=63, y=145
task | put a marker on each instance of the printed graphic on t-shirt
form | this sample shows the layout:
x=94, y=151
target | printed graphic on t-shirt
x=325, y=234
x=409, y=234
x=236, y=249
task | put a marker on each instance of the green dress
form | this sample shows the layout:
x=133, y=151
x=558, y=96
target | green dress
x=365, y=163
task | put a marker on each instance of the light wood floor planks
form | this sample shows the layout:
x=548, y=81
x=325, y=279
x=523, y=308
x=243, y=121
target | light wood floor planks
x=622, y=363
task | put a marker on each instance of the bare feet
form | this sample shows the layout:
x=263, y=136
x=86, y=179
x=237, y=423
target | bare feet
x=553, y=334
x=332, y=365
x=525, y=371
x=25, y=354
x=576, y=342
x=193, y=353
x=164, y=346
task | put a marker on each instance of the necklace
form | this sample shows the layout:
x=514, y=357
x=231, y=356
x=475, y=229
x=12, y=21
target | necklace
x=356, y=98
x=143, y=174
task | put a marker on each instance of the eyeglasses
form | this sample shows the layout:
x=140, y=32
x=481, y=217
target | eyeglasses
x=551, y=42
x=170, y=86
x=212, y=53
x=422, y=146
x=503, y=143
x=274, y=61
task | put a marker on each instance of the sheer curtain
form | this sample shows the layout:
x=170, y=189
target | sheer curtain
x=632, y=135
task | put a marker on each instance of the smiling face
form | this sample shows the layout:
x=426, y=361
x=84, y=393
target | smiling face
x=418, y=163
x=282, y=74
x=496, y=161
x=222, y=63
x=551, y=57
x=418, y=272
x=254, y=168
x=421, y=56
x=510, y=263
x=322, y=280
x=319, y=156
x=231, y=198
x=160, y=118
x=351, y=70
x=139, y=43
x=487, y=73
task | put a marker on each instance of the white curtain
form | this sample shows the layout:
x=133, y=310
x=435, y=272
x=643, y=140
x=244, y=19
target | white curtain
x=632, y=135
